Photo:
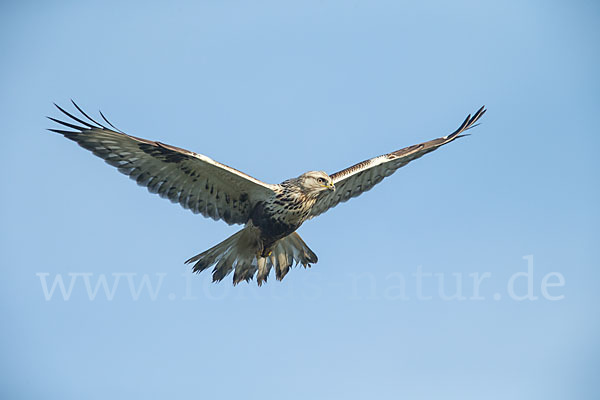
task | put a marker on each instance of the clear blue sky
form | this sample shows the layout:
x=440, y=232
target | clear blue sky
x=276, y=89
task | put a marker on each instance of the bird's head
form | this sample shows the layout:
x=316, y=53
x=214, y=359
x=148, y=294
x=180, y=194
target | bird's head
x=315, y=182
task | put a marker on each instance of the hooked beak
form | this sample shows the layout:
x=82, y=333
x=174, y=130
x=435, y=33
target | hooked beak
x=331, y=186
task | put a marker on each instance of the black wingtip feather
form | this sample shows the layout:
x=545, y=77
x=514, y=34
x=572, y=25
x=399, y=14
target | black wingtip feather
x=87, y=116
x=74, y=117
x=92, y=124
x=465, y=122
x=463, y=135
x=63, y=132
x=72, y=126
x=473, y=126
x=109, y=123
x=469, y=123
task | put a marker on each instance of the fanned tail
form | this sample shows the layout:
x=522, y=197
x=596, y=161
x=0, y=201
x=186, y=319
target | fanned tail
x=287, y=251
x=242, y=252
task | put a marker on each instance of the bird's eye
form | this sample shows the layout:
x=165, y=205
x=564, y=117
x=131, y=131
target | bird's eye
x=321, y=180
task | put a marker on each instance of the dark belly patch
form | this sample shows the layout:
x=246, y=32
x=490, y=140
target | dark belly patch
x=271, y=224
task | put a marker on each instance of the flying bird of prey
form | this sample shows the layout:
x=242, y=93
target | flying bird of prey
x=271, y=213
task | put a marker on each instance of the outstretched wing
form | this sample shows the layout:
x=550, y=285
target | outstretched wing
x=361, y=177
x=195, y=181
